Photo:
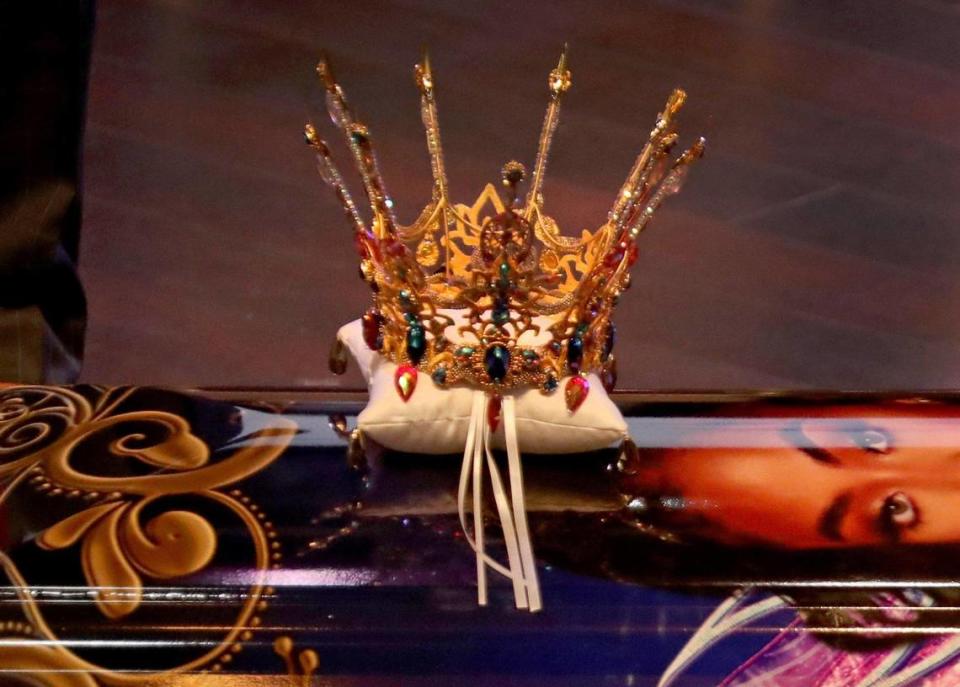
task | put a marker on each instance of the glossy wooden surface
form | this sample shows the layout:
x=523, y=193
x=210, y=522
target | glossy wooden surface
x=815, y=246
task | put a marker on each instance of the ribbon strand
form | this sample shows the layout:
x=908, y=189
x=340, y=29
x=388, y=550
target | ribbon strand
x=511, y=507
x=529, y=565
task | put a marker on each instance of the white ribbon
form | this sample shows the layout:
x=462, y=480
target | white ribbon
x=511, y=507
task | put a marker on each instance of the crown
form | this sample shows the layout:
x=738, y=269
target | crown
x=492, y=294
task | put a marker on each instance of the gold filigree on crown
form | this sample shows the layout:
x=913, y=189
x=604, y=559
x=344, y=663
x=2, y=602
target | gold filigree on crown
x=492, y=294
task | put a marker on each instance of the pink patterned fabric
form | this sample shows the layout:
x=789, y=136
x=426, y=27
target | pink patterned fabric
x=795, y=658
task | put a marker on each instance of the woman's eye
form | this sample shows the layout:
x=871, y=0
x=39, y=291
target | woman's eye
x=873, y=440
x=898, y=513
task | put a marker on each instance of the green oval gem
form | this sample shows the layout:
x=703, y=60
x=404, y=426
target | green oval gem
x=465, y=351
x=503, y=281
x=416, y=343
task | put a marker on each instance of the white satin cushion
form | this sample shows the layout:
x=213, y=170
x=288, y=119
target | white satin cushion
x=435, y=420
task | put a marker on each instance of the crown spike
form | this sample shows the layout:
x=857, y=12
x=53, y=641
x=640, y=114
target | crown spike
x=676, y=100
x=336, y=101
x=670, y=185
x=639, y=180
x=423, y=73
x=357, y=137
x=650, y=174
x=562, y=63
x=558, y=82
x=332, y=177
x=423, y=76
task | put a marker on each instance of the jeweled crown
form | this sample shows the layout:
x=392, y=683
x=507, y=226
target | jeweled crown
x=492, y=294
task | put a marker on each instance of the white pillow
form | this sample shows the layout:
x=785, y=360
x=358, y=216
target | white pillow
x=435, y=419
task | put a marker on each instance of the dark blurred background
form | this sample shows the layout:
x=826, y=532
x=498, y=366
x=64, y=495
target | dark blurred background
x=816, y=245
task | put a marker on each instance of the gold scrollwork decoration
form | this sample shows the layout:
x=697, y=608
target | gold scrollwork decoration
x=303, y=664
x=41, y=429
x=35, y=417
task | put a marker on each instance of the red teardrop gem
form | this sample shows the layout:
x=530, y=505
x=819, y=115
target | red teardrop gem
x=366, y=244
x=405, y=379
x=370, y=323
x=394, y=248
x=576, y=392
x=615, y=256
x=494, y=407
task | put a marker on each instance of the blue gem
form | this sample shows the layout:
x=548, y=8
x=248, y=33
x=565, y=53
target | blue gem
x=416, y=343
x=497, y=362
x=550, y=384
x=439, y=375
x=501, y=313
x=574, y=353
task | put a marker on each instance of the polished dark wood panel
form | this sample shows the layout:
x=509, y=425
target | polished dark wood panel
x=815, y=246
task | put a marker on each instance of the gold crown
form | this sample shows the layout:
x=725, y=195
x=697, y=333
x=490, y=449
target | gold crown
x=492, y=294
